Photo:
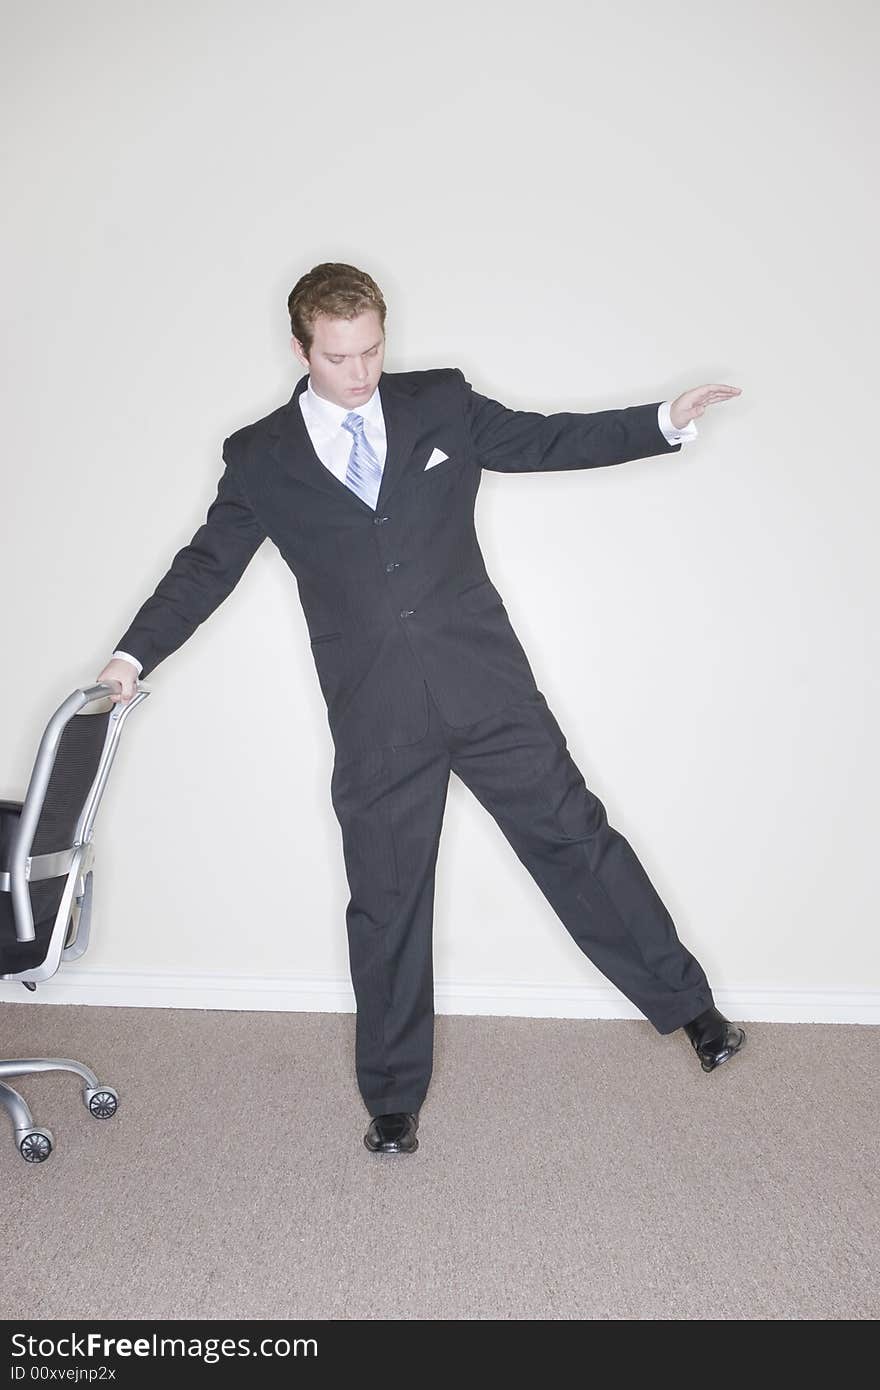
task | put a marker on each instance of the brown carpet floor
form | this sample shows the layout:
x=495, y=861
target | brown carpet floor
x=566, y=1170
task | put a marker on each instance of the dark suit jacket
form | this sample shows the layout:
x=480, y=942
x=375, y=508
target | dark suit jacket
x=396, y=596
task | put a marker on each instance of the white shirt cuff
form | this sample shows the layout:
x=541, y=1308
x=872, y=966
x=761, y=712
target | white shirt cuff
x=124, y=656
x=674, y=436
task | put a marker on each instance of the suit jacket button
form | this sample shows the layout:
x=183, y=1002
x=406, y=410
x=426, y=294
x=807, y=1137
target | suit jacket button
x=377, y=520
x=407, y=612
x=392, y=565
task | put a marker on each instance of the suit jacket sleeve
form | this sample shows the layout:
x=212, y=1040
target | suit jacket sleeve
x=201, y=575
x=524, y=441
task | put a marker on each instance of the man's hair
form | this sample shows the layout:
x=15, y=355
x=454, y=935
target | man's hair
x=336, y=290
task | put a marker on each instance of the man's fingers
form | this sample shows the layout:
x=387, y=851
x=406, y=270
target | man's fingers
x=694, y=402
x=709, y=395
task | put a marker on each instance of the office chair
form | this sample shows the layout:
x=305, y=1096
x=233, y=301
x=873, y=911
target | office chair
x=46, y=858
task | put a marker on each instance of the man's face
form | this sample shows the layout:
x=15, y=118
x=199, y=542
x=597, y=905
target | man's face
x=346, y=358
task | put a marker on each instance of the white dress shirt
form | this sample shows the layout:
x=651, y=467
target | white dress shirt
x=331, y=442
x=323, y=420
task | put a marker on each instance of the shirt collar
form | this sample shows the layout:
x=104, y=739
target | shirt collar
x=330, y=416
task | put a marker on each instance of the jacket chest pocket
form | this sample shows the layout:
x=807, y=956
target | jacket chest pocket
x=446, y=468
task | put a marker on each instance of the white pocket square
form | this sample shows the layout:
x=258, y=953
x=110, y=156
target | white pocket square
x=436, y=457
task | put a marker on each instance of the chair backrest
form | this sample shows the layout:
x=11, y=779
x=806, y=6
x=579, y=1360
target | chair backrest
x=71, y=778
x=51, y=846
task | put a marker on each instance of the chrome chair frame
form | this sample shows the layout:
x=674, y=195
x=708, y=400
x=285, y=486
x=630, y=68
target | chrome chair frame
x=71, y=929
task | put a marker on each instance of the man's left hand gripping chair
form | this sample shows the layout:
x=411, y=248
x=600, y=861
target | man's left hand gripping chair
x=46, y=858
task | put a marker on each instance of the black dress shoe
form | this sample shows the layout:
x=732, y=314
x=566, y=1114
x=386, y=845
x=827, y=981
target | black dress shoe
x=392, y=1134
x=714, y=1038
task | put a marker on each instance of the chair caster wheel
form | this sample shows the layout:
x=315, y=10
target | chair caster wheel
x=102, y=1102
x=36, y=1145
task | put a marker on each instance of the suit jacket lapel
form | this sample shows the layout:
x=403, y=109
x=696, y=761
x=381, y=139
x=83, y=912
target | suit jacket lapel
x=292, y=446
x=402, y=417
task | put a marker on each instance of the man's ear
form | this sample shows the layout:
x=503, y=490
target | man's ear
x=297, y=348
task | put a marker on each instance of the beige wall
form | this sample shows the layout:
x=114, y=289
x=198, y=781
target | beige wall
x=582, y=206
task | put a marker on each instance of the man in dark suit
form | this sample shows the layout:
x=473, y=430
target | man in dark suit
x=366, y=481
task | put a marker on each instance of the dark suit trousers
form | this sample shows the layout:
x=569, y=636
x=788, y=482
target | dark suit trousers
x=390, y=804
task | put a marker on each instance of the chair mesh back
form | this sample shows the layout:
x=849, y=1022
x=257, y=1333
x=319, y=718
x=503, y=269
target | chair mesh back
x=76, y=766
x=77, y=759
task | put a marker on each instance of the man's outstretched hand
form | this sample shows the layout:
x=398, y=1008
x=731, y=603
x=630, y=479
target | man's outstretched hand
x=125, y=674
x=691, y=404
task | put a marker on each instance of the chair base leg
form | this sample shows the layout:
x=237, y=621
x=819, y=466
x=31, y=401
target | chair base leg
x=28, y=1066
x=35, y=1143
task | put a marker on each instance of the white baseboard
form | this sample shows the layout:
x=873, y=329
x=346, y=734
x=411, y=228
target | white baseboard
x=153, y=990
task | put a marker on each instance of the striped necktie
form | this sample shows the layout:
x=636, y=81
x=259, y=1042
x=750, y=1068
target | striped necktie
x=364, y=472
